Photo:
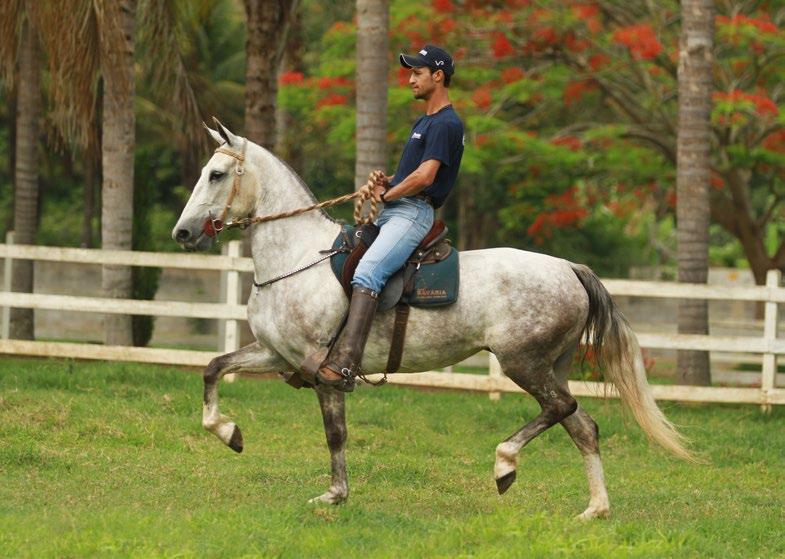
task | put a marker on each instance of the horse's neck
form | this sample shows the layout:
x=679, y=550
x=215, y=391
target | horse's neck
x=282, y=245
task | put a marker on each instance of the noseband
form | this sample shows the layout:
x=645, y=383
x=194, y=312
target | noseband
x=212, y=226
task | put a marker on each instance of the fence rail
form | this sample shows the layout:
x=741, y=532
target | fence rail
x=231, y=312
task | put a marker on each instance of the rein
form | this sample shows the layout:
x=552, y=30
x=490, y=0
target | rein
x=212, y=226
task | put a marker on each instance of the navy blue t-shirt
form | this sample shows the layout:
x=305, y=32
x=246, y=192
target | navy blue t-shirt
x=437, y=136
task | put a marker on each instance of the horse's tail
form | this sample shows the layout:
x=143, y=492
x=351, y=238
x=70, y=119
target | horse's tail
x=619, y=357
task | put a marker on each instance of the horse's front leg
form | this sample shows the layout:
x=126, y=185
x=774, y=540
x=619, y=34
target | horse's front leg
x=253, y=358
x=333, y=408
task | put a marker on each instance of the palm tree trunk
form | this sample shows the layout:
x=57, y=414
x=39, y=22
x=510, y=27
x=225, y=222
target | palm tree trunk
x=373, y=23
x=267, y=22
x=26, y=174
x=118, y=141
x=692, y=180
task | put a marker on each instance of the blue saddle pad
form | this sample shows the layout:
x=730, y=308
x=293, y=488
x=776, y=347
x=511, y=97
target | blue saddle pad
x=435, y=284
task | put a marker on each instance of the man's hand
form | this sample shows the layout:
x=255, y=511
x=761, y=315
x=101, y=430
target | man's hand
x=380, y=183
x=379, y=178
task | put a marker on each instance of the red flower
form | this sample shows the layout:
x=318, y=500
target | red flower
x=331, y=100
x=763, y=104
x=717, y=181
x=597, y=61
x=640, y=40
x=291, y=78
x=545, y=36
x=501, y=46
x=443, y=6
x=775, y=141
x=512, y=75
x=762, y=24
x=585, y=11
x=574, y=91
x=482, y=98
x=403, y=76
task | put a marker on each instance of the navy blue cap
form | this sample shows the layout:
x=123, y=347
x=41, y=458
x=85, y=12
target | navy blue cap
x=430, y=56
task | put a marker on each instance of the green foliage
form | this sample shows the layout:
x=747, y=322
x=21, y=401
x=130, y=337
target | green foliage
x=123, y=468
x=144, y=280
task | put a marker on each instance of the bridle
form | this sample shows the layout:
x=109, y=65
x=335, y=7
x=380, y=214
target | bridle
x=211, y=226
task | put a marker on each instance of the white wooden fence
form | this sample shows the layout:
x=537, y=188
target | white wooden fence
x=769, y=346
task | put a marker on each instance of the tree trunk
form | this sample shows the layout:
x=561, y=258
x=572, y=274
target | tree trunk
x=292, y=61
x=266, y=21
x=692, y=180
x=373, y=25
x=118, y=142
x=26, y=174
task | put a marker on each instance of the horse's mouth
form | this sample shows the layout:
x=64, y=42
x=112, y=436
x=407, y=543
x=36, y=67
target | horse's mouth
x=200, y=244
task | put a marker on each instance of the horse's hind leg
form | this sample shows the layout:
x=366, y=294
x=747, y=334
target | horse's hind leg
x=586, y=435
x=584, y=432
x=332, y=405
x=556, y=404
x=252, y=358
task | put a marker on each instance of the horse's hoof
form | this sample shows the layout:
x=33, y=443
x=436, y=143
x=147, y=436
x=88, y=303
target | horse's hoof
x=236, y=442
x=504, y=482
x=592, y=513
x=329, y=498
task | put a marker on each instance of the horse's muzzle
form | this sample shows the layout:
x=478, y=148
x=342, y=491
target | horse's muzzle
x=192, y=239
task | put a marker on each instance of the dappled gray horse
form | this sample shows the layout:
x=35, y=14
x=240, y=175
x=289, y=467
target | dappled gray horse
x=529, y=309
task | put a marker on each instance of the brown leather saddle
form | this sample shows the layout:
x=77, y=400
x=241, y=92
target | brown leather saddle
x=435, y=247
x=428, y=279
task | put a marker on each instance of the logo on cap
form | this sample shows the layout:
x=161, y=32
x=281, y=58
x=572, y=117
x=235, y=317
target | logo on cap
x=423, y=52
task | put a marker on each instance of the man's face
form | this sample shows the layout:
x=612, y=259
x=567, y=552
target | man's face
x=422, y=83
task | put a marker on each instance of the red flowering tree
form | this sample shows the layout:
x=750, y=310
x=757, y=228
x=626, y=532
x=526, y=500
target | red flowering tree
x=570, y=113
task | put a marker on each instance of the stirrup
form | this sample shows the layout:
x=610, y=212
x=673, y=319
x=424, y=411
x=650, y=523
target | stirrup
x=344, y=384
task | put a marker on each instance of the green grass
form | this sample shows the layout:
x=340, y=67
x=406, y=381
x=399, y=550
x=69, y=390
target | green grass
x=107, y=460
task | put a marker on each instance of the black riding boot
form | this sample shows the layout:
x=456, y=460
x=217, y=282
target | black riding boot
x=345, y=356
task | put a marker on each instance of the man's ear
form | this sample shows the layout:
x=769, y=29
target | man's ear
x=438, y=76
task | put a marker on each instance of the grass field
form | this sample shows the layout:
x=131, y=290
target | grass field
x=110, y=460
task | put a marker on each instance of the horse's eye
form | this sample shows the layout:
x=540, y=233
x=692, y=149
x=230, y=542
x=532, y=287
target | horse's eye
x=216, y=175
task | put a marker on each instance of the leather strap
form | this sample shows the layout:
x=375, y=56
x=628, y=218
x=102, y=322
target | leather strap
x=399, y=333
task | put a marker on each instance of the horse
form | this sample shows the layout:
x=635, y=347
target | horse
x=531, y=310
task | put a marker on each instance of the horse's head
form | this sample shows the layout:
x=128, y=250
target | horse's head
x=225, y=191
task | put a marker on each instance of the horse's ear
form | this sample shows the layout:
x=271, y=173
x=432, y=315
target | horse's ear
x=227, y=136
x=214, y=134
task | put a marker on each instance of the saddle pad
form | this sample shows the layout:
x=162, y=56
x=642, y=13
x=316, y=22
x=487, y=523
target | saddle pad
x=435, y=284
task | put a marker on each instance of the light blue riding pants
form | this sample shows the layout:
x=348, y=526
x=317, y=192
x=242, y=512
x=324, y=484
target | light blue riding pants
x=403, y=224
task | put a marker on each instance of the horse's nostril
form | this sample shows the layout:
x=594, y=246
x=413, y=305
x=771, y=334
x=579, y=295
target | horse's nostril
x=182, y=235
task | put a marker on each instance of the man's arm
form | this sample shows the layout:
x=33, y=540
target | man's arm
x=421, y=178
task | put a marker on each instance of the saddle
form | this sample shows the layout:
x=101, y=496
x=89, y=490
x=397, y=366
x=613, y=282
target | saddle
x=429, y=278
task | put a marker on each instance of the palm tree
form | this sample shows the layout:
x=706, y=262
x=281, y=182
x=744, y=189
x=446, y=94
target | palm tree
x=692, y=180
x=268, y=23
x=373, y=24
x=118, y=141
x=26, y=171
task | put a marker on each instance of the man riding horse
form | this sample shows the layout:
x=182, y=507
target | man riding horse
x=426, y=173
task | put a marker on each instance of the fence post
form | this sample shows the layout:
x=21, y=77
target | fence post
x=494, y=372
x=770, y=317
x=232, y=297
x=7, y=271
